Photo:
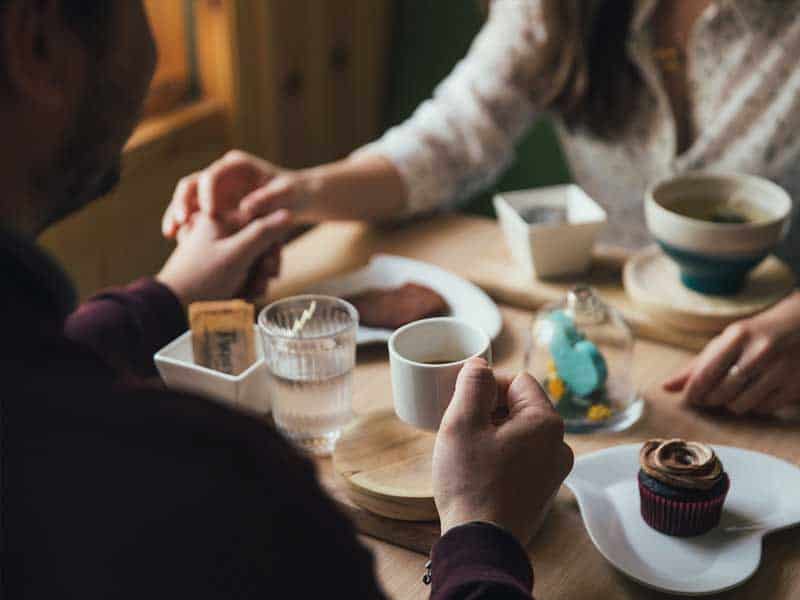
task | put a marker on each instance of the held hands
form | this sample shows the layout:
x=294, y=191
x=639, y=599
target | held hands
x=215, y=262
x=503, y=471
x=235, y=190
x=752, y=366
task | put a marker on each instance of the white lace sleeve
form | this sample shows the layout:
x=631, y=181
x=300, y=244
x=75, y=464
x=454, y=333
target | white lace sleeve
x=460, y=140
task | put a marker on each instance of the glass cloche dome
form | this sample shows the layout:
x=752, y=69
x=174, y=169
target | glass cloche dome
x=581, y=351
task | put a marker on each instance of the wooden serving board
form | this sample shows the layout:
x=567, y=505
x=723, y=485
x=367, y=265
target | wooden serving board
x=473, y=248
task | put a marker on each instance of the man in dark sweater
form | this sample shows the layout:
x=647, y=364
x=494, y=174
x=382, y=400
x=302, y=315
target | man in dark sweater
x=113, y=491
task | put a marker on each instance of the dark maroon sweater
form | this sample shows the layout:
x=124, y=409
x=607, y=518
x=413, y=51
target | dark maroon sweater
x=114, y=492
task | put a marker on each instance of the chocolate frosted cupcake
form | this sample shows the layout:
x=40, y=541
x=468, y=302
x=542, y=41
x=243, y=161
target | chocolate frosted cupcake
x=682, y=486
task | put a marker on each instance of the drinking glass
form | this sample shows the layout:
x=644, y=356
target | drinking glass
x=310, y=352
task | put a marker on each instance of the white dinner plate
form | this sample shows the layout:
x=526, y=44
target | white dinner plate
x=466, y=300
x=764, y=497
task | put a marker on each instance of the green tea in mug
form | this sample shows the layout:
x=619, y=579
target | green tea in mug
x=722, y=210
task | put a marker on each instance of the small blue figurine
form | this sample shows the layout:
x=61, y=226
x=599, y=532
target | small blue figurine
x=578, y=361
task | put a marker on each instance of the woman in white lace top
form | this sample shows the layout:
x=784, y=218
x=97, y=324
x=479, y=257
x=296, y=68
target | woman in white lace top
x=638, y=89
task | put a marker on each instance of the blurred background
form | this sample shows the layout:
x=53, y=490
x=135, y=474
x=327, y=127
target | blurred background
x=298, y=82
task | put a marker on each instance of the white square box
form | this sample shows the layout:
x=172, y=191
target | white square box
x=551, y=249
x=247, y=391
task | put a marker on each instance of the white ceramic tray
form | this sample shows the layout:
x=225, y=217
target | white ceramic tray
x=546, y=250
x=248, y=391
x=764, y=497
x=466, y=301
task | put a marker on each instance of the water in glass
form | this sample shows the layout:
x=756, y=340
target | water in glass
x=311, y=368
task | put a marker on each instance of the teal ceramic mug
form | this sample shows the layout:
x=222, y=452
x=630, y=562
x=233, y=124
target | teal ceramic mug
x=717, y=226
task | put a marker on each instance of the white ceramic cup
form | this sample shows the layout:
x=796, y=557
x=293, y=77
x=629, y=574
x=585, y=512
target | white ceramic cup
x=422, y=390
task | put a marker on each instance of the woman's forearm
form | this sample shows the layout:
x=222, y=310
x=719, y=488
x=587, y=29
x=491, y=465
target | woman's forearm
x=358, y=188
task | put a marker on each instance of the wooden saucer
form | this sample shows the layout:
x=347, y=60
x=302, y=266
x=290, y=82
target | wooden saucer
x=386, y=467
x=652, y=280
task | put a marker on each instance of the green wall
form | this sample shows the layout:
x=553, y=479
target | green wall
x=431, y=36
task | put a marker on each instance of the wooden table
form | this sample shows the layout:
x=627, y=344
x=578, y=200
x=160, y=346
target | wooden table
x=566, y=563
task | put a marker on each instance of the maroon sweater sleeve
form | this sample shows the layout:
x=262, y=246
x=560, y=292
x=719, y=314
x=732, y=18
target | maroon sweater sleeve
x=477, y=561
x=126, y=326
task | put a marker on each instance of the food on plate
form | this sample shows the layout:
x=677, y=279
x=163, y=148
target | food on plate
x=390, y=308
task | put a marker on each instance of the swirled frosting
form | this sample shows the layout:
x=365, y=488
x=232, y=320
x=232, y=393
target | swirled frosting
x=681, y=464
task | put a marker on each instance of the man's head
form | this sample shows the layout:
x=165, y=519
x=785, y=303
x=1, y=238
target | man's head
x=73, y=76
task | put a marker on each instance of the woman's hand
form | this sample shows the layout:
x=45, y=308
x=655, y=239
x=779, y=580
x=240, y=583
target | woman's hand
x=752, y=366
x=239, y=188
x=234, y=190
x=213, y=262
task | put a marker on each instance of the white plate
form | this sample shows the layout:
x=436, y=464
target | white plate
x=466, y=301
x=764, y=497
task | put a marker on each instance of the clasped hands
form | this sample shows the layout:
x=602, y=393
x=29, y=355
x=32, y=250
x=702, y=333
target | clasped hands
x=230, y=221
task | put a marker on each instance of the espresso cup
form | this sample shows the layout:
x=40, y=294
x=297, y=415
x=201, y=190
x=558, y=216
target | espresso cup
x=426, y=357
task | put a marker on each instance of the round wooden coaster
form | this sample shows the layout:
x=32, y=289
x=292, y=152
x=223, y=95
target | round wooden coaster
x=386, y=467
x=652, y=280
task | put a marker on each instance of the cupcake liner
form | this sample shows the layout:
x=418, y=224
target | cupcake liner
x=681, y=518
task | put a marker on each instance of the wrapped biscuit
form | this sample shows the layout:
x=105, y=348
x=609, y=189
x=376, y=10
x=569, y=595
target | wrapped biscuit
x=222, y=335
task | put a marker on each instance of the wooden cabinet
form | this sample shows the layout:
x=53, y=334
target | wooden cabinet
x=313, y=76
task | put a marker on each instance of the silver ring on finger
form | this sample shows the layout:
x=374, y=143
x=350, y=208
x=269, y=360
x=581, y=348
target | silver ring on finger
x=738, y=374
x=738, y=379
